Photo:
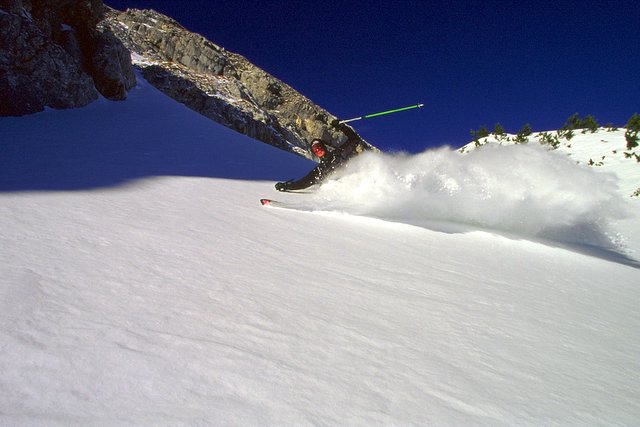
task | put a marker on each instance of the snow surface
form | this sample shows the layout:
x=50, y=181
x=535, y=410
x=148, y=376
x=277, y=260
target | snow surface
x=142, y=284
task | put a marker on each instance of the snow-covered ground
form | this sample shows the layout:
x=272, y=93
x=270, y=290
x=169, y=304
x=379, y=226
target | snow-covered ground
x=141, y=283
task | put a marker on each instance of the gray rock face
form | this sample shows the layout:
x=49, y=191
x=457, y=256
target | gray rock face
x=53, y=53
x=221, y=85
x=62, y=53
x=35, y=73
x=111, y=66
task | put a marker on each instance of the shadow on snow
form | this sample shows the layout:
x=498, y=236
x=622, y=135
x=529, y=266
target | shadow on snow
x=108, y=143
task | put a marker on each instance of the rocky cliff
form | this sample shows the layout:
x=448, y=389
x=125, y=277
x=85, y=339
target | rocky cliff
x=219, y=84
x=62, y=53
x=54, y=53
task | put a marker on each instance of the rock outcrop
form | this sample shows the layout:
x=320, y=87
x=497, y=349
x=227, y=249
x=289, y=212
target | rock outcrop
x=219, y=84
x=54, y=53
x=63, y=53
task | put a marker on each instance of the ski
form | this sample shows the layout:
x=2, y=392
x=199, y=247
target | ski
x=282, y=205
x=274, y=203
x=294, y=206
x=266, y=202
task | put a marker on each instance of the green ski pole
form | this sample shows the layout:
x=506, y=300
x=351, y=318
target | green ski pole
x=368, y=116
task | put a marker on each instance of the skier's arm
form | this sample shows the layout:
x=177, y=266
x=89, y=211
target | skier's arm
x=306, y=181
x=353, y=143
x=351, y=134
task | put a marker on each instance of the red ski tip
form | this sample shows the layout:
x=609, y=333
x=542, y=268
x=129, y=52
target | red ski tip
x=265, y=201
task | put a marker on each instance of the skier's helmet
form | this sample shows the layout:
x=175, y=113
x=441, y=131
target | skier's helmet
x=318, y=147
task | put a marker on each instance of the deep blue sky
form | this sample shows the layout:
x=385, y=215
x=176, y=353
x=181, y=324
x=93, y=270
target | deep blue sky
x=471, y=63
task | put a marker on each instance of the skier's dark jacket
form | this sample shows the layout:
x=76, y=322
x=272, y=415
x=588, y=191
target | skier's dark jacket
x=331, y=161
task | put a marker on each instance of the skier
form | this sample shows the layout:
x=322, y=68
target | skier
x=329, y=160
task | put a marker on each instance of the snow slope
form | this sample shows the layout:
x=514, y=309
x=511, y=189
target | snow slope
x=142, y=284
x=605, y=150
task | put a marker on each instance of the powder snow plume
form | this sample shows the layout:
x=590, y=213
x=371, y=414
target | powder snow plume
x=523, y=189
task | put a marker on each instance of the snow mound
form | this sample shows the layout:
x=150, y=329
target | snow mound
x=522, y=189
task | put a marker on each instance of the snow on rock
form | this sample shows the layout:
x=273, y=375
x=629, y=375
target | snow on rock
x=604, y=150
x=142, y=284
